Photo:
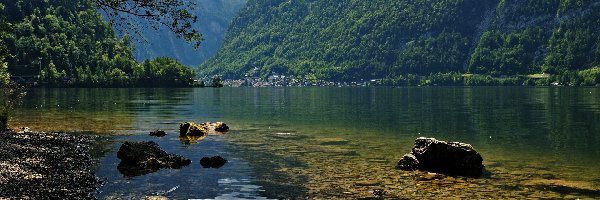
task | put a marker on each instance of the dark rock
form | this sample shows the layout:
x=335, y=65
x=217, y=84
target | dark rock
x=451, y=158
x=158, y=133
x=190, y=128
x=379, y=193
x=221, y=127
x=139, y=158
x=205, y=162
x=214, y=162
x=408, y=162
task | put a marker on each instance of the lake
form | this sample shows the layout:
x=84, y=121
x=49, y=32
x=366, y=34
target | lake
x=338, y=142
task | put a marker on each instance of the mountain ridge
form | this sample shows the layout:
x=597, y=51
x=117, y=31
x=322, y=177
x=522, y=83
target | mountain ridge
x=350, y=40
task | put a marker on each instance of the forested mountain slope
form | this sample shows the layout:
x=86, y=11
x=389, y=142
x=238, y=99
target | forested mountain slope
x=68, y=43
x=352, y=39
x=214, y=17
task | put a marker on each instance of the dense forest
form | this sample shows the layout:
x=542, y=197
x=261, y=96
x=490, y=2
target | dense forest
x=68, y=43
x=423, y=42
x=214, y=17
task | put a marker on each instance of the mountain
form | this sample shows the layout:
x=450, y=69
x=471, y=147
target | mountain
x=214, y=17
x=349, y=40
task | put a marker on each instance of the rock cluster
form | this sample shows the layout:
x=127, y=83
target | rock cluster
x=139, y=158
x=213, y=162
x=193, y=129
x=453, y=158
x=36, y=165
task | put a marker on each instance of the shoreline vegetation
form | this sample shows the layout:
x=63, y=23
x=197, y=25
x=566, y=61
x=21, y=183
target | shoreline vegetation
x=589, y=77
x=38, y=165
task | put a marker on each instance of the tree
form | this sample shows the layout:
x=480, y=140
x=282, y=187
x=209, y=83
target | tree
x=173, y=14
x=4, y=27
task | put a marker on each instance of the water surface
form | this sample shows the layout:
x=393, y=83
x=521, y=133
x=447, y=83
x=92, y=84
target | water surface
x=340, y=142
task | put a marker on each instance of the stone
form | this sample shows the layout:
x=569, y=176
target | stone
x=408, y=162
x=379, y=193
x=193, y=129
x=139, y=158
x=158, y=133
x=221, y=127
x=156, y=198
x=213, y=162
x=451, y=158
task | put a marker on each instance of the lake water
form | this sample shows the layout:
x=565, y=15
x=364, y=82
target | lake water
x=338, y=142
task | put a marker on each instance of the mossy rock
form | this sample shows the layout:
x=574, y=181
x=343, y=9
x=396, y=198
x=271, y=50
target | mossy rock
x=193, y=129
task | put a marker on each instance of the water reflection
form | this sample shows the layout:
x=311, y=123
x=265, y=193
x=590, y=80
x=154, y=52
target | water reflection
x=190, y=139
x=527, y=136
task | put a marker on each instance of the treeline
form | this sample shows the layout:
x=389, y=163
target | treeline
x=350, y=40
x=588, y=77
x=68, y=44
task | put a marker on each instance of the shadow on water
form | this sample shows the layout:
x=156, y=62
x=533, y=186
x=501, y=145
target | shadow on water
x=568, y=190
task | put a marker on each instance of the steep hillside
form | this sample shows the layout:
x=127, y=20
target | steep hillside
x=214, y=17
x=67, y=43
x=350, y=40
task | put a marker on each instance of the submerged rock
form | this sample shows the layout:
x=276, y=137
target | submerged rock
x=408, y=162
x=158, y=133
x=444, y=157
x=139, y=158
x=214, y=162
x=215, y=126
x=191, y=128
x=221, y=127
x=156, y=198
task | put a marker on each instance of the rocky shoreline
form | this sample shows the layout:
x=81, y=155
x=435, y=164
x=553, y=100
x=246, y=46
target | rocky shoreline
x=46, y=166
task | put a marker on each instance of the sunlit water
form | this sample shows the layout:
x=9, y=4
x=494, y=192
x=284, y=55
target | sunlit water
x=338, y=142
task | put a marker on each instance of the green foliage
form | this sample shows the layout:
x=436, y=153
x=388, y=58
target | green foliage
x=442, y=53
x=162, y=72
x=348, y=40
x=590, y=77
x=4, y=75
x=574, y=44
x=68, y=44
x=217, y=82
x=507, y=54
x=4, y=33
x=398, y=40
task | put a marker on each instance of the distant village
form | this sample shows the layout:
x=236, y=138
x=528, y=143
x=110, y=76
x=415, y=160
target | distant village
x=252, y=79
x=277, y=80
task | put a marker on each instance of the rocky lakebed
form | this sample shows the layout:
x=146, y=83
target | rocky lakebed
x=36, y=165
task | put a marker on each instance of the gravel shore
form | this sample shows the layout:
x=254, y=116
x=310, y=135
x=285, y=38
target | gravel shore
x=46, y=166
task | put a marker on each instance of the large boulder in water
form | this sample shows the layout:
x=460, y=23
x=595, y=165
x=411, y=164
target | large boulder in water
x=408, y=162
x=214, y=162
x=452, y=158
x=193, y=129
x=139, y=158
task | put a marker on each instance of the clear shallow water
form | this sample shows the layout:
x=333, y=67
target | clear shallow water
x=341, y=142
